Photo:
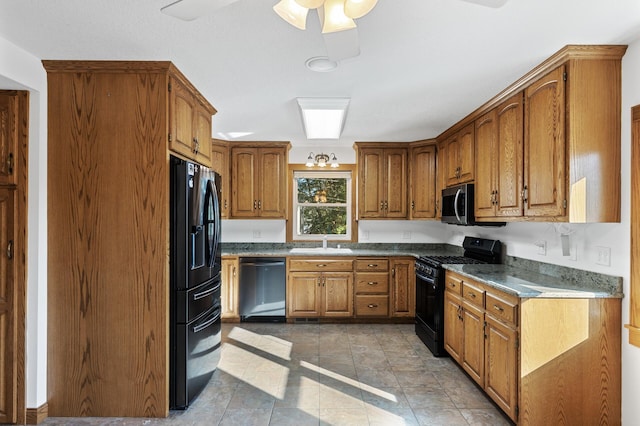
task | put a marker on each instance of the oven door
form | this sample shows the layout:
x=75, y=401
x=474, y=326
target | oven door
x=429, y=306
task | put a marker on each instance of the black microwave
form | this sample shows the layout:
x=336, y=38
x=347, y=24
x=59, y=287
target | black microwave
x=457, y=204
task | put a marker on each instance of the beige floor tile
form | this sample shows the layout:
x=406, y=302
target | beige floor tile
x=344, y=417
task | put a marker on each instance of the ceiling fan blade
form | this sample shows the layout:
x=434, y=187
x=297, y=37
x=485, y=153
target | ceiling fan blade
x=488, y=3
x=188, y=10
x=342, y=44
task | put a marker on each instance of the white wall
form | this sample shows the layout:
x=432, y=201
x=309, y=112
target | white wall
x=20, y=70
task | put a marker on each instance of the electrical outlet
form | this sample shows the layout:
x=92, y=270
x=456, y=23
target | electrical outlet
x=257, y=234
x=406, y=235
x=603, y=256
x=542, y=247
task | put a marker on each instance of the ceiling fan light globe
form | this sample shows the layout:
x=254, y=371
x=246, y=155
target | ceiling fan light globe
x=333, y=17
x=310, y=4
x=292, y=12
x=358, y=8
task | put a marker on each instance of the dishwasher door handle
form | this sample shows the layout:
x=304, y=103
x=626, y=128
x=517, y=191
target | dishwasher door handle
x=262, y=263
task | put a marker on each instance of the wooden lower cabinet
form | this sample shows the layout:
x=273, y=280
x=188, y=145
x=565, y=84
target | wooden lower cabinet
x=372, y=287
x=542, y=361
x=229, y=289
x=403, y=287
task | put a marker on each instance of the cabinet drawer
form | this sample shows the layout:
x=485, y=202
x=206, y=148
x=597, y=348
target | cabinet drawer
x=375, y=282
x=373, y=264
x=473, y=294
x=502, y=309
x=321, y=265
x=453, y=283
x=368, y=306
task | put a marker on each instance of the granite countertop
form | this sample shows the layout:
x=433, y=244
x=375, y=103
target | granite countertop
x=528, y=284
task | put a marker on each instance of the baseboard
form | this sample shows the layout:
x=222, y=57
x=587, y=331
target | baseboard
x=37, y=415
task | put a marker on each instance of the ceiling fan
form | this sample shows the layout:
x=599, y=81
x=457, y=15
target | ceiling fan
x=336, y=18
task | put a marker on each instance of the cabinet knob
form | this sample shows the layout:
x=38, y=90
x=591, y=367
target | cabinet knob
x=321, y=265
x=372, y=283
x=498, y=308
x=373, y=305
x=10, y=250
x=372, y=265
x=10, y=164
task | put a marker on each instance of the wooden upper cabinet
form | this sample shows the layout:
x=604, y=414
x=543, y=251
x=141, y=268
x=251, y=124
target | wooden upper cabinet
x=460, y=149
x=441, y=178
x=499, y=163
x=190, y=121
x=258, y=181
x=8, y=136
x=423, y=182
x=220, y=164
x=382, y=181
x=544, y=146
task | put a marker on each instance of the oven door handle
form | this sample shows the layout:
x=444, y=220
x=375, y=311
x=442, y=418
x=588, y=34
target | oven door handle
x=455, y=205
x=428, y=280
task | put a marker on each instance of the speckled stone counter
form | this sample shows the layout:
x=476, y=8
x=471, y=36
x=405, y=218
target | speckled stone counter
x=527, y=283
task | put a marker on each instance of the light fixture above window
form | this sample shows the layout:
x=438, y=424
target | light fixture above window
x=323, y=118
x=322, y=160
x=335, y=15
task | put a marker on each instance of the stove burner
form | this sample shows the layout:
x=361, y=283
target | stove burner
x=437, y=261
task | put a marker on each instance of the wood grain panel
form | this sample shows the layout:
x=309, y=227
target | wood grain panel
x=510, y=126
x=8, y=137
x=396, y=183
x=372, y=305
x=370, y=182
x=372, y=282
x=501, y=366
x=337, y=288
x=403, y=288
x=303, y=294
x=634, y=302
x=486, y=165
x=108, y=238
x=423, y=182
x=273, y=183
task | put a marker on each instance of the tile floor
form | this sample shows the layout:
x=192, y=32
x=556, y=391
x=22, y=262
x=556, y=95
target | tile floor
x=327, y=374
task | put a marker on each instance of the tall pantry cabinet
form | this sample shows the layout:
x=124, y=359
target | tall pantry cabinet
x=111, y=126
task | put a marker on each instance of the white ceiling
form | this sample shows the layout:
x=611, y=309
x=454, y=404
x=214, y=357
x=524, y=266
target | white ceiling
x=424, y=64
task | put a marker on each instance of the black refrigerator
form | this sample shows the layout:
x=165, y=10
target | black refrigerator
x=195, y=276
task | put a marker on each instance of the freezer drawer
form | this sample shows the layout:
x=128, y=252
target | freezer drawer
x=194, y=302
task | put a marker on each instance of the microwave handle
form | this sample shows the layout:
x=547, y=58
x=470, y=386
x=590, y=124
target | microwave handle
x=455, y=205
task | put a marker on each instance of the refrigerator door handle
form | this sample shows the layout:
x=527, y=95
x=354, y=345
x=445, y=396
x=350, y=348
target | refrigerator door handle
x=212, y=203
x=208, y=322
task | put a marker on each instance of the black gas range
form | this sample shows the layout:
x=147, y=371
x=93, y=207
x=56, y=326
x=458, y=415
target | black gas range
x=430, y=287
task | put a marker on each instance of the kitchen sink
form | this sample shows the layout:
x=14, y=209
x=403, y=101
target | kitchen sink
x=321, y=250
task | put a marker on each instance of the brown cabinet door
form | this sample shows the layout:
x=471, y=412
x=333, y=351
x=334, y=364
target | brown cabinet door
x=8, y=341
x=453, y=326
x=544, y=146
x=452, y=164
x=486, y=165
x=304, y=294
x=202, y=131
x=501, y=366
x=423, y=182
x=395, y=202
x=229, y=289
x=466, y=154
x=509, y=157
x=182, y=114
x=441, y=178
x=337, y=292
x=403, y=288
x=272, y=183
x=220, y=163
x=8, y=137
x=244, y=200
x=473, y=350
x=371, y=183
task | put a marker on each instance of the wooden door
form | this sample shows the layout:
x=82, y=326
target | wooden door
x=452, y=165
x=272, y=195
x=303, y=294
x=229, y=289
x=337, y=294
x=202, y=131
x=473, y=351
x=396, y=171
x=466, y=153
x=8, y=294
x=423, y=182
x=181, y=112
x=220, y=163
x=403, y=288
x=486, y=165
x=453, y=326
x=544, y=146
x=8, y=136
x=441, y=179
x=244, y=200
x=509, y=157
x=371, y=183
x=501, y=366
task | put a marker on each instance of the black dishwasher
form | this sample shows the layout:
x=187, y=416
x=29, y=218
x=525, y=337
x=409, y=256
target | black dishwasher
x=262, y=289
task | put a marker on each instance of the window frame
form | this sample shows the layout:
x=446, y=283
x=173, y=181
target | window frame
x=351, y=193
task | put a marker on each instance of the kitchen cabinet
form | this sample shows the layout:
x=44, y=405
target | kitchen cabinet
x=460, y=156
x=382, y=181
x=423, y=180
x=8, y=137
x=108, y=233
x=499, y=162
x=8, y=306
x=229, y=289
x=529, y=353
x=403, y=287
x=372, y=287
x=190, y=123
x=441, y=181
x=259, y=180
x=220, y=163
x=320, y=287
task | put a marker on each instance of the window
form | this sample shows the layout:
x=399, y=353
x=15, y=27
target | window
x=322, y=205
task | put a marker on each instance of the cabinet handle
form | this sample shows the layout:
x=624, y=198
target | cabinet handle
x=10, y=164
x=413, y=205
x=226, y=204
x=372, y=283
x=472, y=295
x=10, y=250
x=452, y=285
x=321, y=265
x=319, y=281
x=196, y=146
x=234, y=271
x=259, y=204
x=255, y=204
x=386, y=205
x=372, y=265
x=373, y=305
x=495, y=197
x=393, y=272
x=381, y=205
x=498, y=308
x=525, y=194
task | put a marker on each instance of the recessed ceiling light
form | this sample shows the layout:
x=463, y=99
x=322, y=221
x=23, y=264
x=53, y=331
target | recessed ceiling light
x=321, y=64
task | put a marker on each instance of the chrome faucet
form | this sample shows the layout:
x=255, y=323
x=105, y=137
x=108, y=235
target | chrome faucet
x=324, y=242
